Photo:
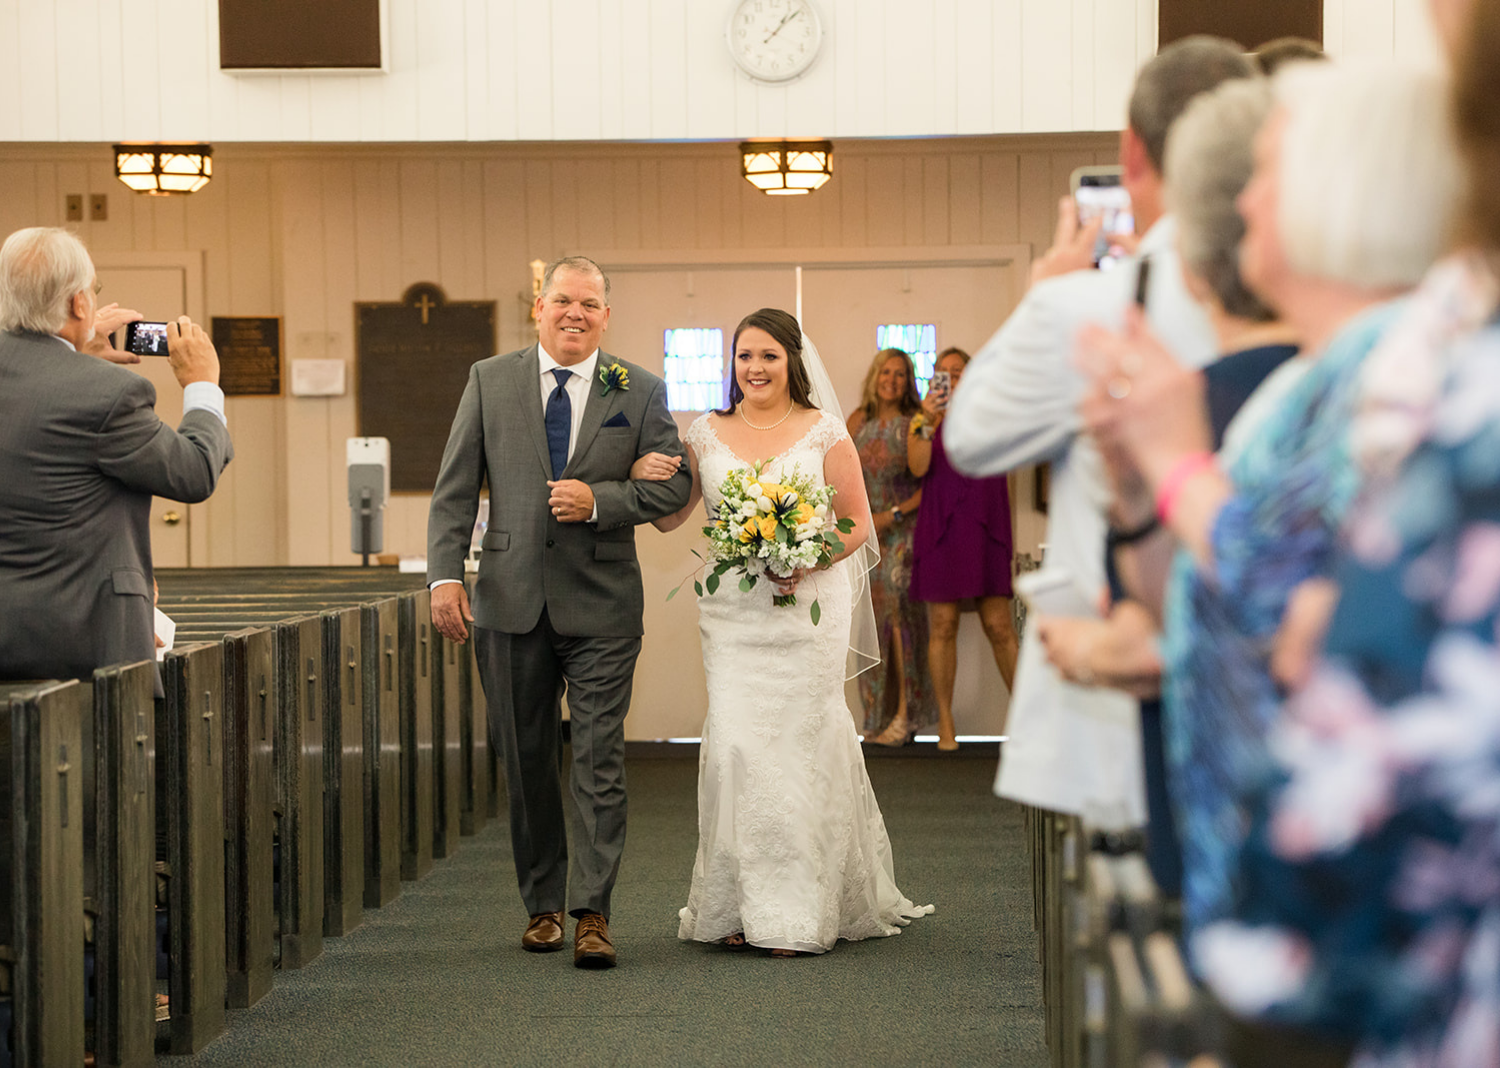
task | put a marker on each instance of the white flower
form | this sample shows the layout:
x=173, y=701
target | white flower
x=764, y=503
x=820, y=511
x=790, y=497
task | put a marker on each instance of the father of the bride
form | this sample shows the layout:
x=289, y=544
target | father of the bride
x=555, y=427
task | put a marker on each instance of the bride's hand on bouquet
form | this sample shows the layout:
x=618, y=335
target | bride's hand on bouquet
x=655, y=467
x=787, y=586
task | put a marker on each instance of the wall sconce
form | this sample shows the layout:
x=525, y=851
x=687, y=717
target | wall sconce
x=786, y=168
x=163, y=170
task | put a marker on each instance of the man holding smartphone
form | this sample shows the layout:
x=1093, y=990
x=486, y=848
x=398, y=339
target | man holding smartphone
x=82, y=452
x=1019, y=406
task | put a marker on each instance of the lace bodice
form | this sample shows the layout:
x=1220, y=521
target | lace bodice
x=715, y=459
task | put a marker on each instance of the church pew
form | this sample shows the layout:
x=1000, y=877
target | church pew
x=41, y=893
x=448, y=674
x=475, y=763
x=251, y=693
x=340, y=658
x=416, y=652
x=382, y=751
x=190, y=764
x=299, y=776
x=120, y=854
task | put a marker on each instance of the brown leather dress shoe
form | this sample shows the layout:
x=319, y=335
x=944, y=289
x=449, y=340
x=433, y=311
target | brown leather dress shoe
x=544, y=934
x=591, y=945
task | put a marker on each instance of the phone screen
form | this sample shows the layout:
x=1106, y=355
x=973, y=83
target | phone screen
x=146, y=339
x=1102, y=196
x=940, y=388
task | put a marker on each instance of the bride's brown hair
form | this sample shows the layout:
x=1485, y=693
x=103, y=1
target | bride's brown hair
x=786, y=332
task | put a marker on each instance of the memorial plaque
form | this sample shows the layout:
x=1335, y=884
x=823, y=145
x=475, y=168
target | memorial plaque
x=413, y=360
x=249, y=355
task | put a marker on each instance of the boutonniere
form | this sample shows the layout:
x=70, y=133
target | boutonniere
x=612, y=377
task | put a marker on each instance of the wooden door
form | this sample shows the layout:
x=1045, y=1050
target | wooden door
x=159, y=293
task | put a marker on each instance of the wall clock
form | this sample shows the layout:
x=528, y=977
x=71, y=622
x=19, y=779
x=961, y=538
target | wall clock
x=774, y=40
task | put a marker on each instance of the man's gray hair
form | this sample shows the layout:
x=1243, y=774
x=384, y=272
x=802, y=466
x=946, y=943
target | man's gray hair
x=1210, y=156
x=1369, y=174
x=575, y=263
x=41, y=269
x=1179, y=72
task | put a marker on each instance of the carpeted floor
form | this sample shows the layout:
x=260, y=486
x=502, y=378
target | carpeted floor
x=439, y=978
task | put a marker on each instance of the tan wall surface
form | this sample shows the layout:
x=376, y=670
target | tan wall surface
x=305, y=231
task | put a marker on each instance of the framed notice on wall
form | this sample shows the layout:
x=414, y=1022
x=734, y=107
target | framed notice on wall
x=249, y=355
x=413, y=358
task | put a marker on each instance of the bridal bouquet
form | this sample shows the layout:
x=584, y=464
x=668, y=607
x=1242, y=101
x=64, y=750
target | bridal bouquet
x=774, y=528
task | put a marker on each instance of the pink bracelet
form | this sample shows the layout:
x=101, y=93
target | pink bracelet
x=1171, y=486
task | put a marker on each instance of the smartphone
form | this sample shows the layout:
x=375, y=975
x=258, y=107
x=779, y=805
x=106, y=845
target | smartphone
x=1098, y=193
x=1052, y=591
x=940, y=388
x=146, y=339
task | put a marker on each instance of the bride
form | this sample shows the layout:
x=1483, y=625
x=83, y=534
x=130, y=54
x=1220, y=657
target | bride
x=792, y=850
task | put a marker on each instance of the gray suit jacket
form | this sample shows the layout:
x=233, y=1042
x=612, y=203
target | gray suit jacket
x=585, y=574
x=81, y=454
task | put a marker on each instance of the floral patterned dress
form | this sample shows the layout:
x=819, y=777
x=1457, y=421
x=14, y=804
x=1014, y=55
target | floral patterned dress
x=888, y=481
x=1293, y=484
x=1369, y=902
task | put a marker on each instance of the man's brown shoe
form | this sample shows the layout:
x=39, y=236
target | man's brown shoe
x=591, y=945
x=544, y=934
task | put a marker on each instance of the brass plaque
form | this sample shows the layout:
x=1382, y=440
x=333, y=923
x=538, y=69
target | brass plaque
x=249, y=355
x=413, y=360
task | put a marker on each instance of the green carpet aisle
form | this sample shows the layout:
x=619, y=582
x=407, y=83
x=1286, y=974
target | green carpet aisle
x=439, y=977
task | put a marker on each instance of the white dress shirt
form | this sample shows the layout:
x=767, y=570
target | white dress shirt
x=577, y=387
x=196, y=396
x=1072, y=748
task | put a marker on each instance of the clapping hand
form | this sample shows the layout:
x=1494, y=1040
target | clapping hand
x=1141, y=404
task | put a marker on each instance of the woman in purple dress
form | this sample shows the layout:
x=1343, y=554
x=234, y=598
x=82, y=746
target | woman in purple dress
x=962, y=550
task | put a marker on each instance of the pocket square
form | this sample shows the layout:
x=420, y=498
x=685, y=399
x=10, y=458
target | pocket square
x=618, y=419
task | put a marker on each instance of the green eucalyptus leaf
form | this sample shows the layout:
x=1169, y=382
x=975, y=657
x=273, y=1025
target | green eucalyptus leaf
x=713, y=583
x=698, y=587
x=747, y=583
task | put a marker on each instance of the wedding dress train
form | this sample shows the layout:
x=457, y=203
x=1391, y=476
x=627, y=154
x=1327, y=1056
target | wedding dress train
x=792, y=849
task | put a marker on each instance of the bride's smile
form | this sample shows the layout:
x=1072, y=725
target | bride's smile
x=760, y=368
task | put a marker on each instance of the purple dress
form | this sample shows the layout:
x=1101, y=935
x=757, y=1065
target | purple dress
x=962, y=547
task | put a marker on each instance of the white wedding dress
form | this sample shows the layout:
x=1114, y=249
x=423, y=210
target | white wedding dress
x=792, y=849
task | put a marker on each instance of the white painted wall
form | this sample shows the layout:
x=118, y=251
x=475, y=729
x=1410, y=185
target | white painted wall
x=580, y=70
x=1380, y=29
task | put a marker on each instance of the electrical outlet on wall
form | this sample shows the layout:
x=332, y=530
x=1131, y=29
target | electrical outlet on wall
x=74, y=210
x=99, y=207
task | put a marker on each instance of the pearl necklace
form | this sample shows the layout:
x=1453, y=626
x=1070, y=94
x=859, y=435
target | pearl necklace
x=774, y=425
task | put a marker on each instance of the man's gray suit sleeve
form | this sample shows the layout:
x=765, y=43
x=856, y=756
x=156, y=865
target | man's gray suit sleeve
x=140, y=451
x=455, y=498
x=631, y=502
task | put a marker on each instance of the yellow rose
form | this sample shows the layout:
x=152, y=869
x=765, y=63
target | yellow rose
x=747, y=531
x=767, y=524
x=803, y=513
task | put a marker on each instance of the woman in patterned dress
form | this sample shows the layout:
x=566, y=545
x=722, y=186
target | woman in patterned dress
x=897, y=696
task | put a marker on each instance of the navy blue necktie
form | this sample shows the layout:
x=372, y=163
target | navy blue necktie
x=559, y=421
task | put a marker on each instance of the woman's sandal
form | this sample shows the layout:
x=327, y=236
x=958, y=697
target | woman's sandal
x=786, y=954
x=895, y=735
x=735, y=941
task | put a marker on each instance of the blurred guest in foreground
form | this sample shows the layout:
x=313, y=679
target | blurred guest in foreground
x=1370, y=906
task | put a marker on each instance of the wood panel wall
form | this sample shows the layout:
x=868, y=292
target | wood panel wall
x=304, y=232
x=1380, y=29
x=519, y=70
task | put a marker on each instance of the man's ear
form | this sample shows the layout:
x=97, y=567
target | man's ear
x=78, y=306
x=1133, y=156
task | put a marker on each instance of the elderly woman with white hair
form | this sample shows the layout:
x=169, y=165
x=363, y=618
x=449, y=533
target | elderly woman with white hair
x=1355, y=180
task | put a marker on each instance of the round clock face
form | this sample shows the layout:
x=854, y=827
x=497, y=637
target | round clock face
x=774, y=40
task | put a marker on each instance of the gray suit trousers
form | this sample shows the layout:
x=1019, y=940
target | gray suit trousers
x=524, y=677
